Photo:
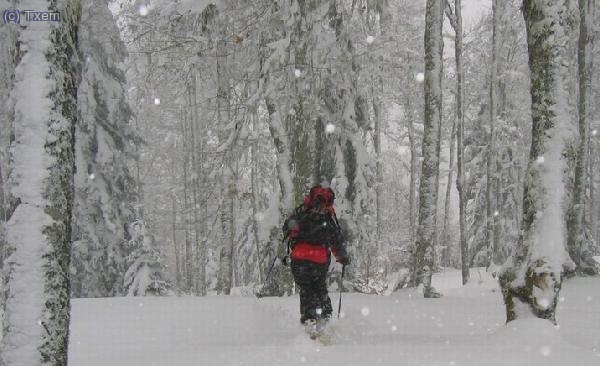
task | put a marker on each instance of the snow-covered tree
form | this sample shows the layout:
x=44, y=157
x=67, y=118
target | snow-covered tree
x=38, y=232
x=532, y=277
x=579, y=229
x=104, y=187
x=512, y=111
x=9, y=54
x=145, y=273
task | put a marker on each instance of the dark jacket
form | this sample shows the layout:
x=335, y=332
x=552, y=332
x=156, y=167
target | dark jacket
x=314, y=236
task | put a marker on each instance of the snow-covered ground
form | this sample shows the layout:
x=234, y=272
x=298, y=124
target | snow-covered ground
x=465, y=327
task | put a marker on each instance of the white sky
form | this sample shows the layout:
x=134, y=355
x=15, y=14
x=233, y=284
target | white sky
x=472, y=11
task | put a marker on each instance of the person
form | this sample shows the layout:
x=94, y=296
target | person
x=314, y=233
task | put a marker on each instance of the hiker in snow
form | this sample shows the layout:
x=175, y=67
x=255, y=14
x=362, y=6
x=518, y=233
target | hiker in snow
x=314, y=233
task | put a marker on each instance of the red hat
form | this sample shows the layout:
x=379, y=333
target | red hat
x=319, y=194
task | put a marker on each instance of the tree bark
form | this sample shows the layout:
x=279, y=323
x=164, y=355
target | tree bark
x=229, y=189
x=414, y=161
x=175, y=246
x=428, y=187
x=377, y=109
x=445, y=255
x=253, y=169
x=594, y=207
x=186, y=264
x=197, y=148
x=575, y=223
x=460, y=131
x=491, y=173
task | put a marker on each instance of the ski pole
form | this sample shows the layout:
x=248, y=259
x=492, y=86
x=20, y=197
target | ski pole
x=260, y=293
x=341, y=284
x=273, y=263
x=271, y=269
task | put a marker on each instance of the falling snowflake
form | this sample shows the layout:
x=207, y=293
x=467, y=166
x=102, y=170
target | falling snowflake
x=420, y=77
x=594, y=132
x=92, y=176
x=496, y=213
x=394, y=328
x=365, y=311
x=330, y=128
x=370, y=39
x=143, y=10
x=156, y=101
x=540, y=160
x=298, y=73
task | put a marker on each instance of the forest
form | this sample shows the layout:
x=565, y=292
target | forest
x=156, y=148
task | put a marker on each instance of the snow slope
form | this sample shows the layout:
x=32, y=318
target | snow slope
x=465, y=327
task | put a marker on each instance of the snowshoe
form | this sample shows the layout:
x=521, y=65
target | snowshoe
x=310, y=326
x=316, y=328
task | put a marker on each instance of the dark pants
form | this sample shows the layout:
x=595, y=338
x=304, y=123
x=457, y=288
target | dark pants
x=311, y=279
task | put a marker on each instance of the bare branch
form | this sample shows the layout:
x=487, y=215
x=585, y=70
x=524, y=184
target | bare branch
x=450, y=15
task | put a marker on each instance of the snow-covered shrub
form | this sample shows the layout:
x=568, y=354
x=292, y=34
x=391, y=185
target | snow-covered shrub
x=145, y=273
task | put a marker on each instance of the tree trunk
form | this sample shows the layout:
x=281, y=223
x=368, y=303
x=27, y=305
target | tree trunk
x=460, y=132
x=39, y=231
x=282, y=147
x=445, y=255
x=490, y=196
x=593, y=213
x=255, y=238
x=197, y=147
x=498, y=214
x=201, y=201
x=532, y=277
x=428, y=187
x=229, y=190
x=575, y=222
x=186, y=264
x=175, y=246
x=377, y=109
x=414, y=171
